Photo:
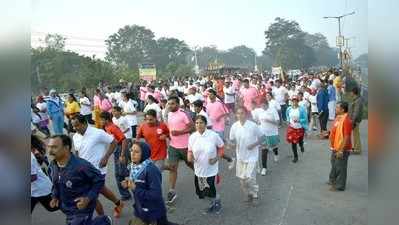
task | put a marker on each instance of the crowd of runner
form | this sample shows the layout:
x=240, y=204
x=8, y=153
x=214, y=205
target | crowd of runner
x=200, y=121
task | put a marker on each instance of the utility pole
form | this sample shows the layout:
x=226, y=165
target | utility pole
x=340, y=39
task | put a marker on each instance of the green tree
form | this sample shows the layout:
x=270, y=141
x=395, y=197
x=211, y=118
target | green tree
x=170, y=50
x=55, y=42
x=240, y=56
x=130, y=46
x=324, y=54
x=285, y=43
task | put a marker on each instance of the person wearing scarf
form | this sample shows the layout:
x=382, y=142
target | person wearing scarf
x=340, y=145
x=297, y=118
x=145, y=180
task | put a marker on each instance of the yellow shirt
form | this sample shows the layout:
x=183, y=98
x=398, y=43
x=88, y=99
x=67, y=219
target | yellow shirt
x=337, y=82
x=72, y=107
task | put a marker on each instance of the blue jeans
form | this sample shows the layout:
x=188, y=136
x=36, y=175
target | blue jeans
x=58, y=123
x=87, y=219
x=284, y=112
x=121, y=172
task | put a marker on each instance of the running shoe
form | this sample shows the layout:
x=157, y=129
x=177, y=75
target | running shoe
x=171, y=197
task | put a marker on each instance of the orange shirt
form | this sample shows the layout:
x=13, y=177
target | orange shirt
x=112, y=129
x=347, y=131
x=151, y=136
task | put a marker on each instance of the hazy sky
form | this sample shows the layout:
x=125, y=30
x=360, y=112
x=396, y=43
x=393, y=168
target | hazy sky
x=224, y=23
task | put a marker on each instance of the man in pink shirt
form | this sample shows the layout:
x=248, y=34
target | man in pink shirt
x=180, y=125
x=248, y=94
x=217, y=112
x=143, y=91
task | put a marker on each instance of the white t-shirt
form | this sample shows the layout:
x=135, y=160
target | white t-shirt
x=255, y=114
x=42, y=106
x=313, y=103
x=267, y=128
x=229, y=98
x=84, y=109
x=294, y=115
x=42, y=185
x=244, y=136
x=279, y=94
x=195, y=97
x=128, y=107
x=92, y=146
x=155, y=107
x=123, y=124
x=275, y=105
x=204, y=147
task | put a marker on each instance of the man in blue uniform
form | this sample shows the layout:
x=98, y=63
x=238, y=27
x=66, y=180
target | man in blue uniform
x=76, y=184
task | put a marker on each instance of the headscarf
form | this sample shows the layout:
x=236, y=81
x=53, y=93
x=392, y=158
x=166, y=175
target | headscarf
x=137, y=169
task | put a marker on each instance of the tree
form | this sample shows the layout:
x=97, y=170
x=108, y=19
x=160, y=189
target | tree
x=240, y=56
x=208, y=54
x=55, y=42
x=324, y=54
x=170, y=50
x=285, y=43
x=130, y=46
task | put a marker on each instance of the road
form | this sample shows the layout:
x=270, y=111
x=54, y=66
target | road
x=290, y=194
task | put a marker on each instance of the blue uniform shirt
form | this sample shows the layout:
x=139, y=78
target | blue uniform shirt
x=77, y=179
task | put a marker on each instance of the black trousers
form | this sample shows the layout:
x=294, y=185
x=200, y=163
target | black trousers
x=323, y=119
x=44, y=200
x=295, y=148
x=264, y=156
x=339, y=168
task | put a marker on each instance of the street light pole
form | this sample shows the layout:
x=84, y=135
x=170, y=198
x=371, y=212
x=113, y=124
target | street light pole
x=339, y=32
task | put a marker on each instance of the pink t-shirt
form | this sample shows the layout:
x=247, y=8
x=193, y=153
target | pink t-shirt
x=106, y=105
x=214, y=110
x=96, y=100
x=178, y=121
x=248, y=95
x=157, y=95
x=236, y=84
x=143, y=91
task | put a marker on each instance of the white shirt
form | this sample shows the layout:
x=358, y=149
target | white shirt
x=204, y=147
x=42, y=106
x=267, y=128
x=195, y=97
x=229, y=98
x=294, y=115
x=155, y=107
x=313, y=103
x=255, y=112
x=275, y=105
x=279, y=94
x=244, y=136
x=35, y=118
x=92, y=146
x=84, y=109
x=123, y=124
x=42, y=185
x=128, y=107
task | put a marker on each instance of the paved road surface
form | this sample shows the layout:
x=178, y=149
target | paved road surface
x=290, y=194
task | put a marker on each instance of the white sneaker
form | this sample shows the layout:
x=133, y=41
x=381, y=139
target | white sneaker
x=275, y=158
x=263, y=172
x=231, y=164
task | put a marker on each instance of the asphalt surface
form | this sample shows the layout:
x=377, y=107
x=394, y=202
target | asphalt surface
x=290, y=193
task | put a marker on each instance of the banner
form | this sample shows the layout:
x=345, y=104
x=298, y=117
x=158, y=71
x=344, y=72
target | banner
x=147, y=72
x=278, y=71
